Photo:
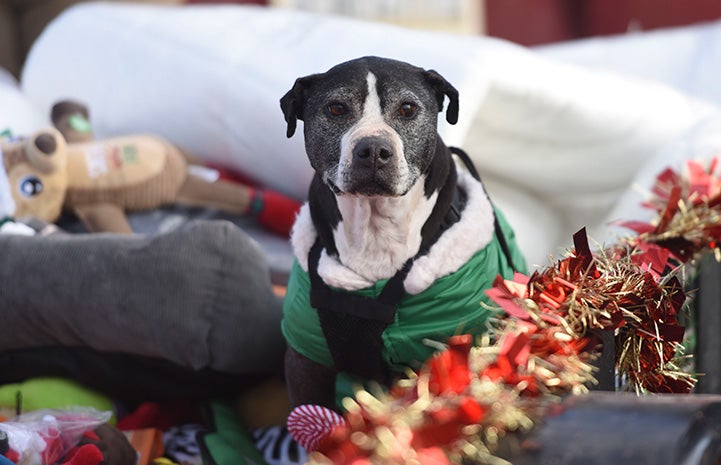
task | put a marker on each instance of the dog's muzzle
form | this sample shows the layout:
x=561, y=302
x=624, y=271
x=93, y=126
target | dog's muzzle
x=372, y=153
x=373, y=168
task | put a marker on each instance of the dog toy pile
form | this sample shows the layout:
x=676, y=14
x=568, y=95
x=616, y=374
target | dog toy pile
x=47, y=437
x=99, y=180
x=473, y=393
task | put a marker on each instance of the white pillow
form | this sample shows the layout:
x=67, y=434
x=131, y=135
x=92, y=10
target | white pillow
x=701, y=142
x=16, y=112
x=209, y=78
x=685, y=58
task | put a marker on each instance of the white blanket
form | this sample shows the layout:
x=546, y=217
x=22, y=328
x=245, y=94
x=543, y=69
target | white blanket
x=555, y=143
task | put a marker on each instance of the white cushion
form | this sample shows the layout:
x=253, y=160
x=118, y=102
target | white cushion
x=16, y=112
x=685, y=58
x=701, y=142
x=564, y=140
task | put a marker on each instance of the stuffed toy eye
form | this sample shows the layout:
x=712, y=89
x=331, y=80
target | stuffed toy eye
x=31, y=186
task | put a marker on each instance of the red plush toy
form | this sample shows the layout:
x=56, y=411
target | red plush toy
x=87, y=454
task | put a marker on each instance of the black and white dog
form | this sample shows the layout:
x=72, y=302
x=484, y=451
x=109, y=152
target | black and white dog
x=388, y=216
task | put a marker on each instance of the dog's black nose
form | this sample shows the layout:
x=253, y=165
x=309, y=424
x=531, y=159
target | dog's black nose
x=372, y=151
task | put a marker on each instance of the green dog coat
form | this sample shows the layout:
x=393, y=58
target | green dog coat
x=434, y=307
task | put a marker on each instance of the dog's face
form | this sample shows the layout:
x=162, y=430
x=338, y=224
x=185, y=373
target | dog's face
x=370, y=123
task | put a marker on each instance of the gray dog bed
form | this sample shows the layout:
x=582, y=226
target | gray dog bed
x=195, y=303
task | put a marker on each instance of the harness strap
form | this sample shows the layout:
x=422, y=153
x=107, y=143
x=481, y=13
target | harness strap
x=496, y=224
x=322, y=295
x=353, y=324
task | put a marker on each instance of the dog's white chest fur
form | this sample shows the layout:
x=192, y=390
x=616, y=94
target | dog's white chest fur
x=374, y=247
x=379, y=234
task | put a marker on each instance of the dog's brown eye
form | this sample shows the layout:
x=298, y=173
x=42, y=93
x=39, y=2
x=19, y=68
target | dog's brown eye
x=407, y=110
x=337, y=109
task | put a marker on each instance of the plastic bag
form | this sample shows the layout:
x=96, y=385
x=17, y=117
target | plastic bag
x=43, y=437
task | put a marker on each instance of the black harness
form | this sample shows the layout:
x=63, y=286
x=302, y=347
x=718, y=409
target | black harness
x=353, y=324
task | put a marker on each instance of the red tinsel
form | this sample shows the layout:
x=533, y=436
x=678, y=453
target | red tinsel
x=468, y=396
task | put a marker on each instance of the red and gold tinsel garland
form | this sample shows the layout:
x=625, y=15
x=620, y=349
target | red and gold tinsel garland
x=469, y=395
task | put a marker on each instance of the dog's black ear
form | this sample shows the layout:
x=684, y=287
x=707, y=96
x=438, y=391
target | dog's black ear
x=443, y=89
x=292, y=103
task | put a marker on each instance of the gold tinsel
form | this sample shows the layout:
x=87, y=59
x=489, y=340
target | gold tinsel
x=471, y=395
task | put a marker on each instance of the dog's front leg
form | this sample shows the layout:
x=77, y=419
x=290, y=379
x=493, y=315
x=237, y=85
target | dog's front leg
x=309, y=382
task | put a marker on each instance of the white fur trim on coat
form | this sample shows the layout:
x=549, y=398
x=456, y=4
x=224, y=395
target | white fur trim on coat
x=459, y=243
x=453, y=249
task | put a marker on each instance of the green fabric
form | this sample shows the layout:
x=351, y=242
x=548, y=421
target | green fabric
x=227, y=442
x=452, y=305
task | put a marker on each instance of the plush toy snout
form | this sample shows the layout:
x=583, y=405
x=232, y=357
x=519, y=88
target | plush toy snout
x=46, y=151
x=36, y=168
